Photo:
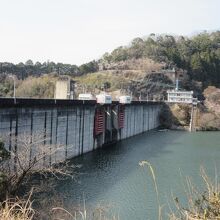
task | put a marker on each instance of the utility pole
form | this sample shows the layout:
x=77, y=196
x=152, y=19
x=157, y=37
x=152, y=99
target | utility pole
x=140, y=97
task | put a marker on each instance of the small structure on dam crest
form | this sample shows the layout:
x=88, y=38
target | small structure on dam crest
x=65, y=88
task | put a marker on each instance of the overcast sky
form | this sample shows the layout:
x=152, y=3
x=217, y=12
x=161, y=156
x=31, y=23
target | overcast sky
x=77, y=31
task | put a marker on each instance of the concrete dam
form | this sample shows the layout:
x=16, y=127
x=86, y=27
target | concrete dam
x=79, y=126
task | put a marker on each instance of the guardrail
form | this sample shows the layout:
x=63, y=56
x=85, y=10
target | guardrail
x=29, y=102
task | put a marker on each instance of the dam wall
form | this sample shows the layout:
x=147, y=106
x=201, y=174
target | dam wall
x=77, y=126
x=140, y=118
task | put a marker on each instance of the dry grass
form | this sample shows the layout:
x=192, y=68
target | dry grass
x=93, y=81
x=37, y=87
x=141, y=65
x=15, y=209
x=203, y=205
x=99, y=213
x=152, y=173
x=200, y=205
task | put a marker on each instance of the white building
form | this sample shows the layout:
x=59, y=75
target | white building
x=103, y=98
x=86, y=96
x=180, y=96
x=125, y=99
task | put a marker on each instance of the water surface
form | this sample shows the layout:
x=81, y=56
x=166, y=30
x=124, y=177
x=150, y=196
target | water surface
x=113, y=176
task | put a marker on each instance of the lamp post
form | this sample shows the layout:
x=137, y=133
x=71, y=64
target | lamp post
x=11, y=76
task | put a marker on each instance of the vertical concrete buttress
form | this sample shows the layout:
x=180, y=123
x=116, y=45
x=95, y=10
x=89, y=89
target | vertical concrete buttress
x=71, y=128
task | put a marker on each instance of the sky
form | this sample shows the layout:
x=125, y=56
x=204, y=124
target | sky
x=78, y=31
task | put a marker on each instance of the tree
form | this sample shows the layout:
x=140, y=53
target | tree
x=119, y=54
x=107, y=57
x=137, y=48
x=90, y=67
x=105, y=86
x=38, y=64
x=29, y=63
x=30, y=155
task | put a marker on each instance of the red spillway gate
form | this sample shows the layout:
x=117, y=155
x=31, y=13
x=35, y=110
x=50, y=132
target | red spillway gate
x=99, y=122
x=121, y=116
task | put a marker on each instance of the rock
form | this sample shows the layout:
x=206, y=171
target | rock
x=175, y=116
x=209, y=111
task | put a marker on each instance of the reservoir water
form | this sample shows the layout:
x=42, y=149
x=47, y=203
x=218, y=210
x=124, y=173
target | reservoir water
x=112, y=176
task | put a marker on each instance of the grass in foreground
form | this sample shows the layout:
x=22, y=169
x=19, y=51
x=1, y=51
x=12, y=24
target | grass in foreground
x=201, y=205
x=15, y=209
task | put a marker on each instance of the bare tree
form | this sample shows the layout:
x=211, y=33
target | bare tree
x=32, y=155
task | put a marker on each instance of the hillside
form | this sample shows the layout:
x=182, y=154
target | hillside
x=139, y=68
x=33, y=87
x=199, y=55
x=122, y=77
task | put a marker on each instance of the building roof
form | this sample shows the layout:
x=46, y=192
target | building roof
x=179, y=91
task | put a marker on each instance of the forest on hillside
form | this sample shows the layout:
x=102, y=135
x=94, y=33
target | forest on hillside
x=29, y=68
x=199, y=56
